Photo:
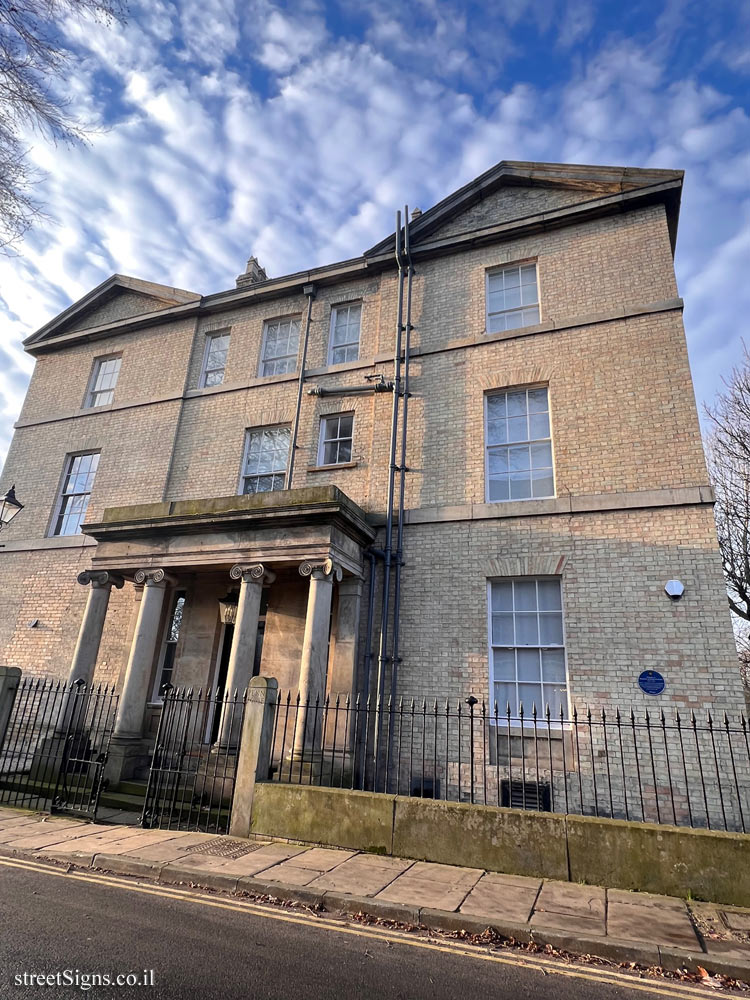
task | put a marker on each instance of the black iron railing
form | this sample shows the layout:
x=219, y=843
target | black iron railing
x=640, y=766
x=192, y=770
x=56, y=745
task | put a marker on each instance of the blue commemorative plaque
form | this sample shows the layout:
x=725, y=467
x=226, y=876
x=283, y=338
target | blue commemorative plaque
x=651, y=682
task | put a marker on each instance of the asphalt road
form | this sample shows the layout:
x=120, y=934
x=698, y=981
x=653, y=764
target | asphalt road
x=206, y=945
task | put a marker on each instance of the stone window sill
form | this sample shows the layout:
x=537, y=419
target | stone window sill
x=331, y=468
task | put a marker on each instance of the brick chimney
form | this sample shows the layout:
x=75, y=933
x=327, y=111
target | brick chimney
x=253, y=274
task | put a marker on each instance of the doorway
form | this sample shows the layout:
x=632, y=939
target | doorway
x=222, y=665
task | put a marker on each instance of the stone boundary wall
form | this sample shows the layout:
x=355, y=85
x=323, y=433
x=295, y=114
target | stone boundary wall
x=676, y=861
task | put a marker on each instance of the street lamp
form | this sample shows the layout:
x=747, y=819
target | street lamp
x=9, y=507
x=228, y=608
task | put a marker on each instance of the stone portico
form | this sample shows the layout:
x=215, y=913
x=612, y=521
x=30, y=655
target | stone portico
x=296, y=555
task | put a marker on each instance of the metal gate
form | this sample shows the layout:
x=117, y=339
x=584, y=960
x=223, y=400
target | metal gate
x=56, y=746
x=190, y=781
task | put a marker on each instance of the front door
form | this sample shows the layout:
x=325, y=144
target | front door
x=212, y=731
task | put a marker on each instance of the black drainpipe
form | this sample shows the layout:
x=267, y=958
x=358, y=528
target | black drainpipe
x=383, y=648
x=309, y=291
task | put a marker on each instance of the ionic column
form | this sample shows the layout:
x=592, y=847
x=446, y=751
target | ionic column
x=92, y=624
x=242, y=654
x=314, y=664
x=138, y=673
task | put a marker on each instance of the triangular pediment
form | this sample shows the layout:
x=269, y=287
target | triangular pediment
x=119, y=297
x=513, y=191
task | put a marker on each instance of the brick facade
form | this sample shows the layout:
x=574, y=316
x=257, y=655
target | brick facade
x=631, y=510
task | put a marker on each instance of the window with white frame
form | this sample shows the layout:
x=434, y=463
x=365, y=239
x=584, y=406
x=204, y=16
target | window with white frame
x=518, y=445
x=336, y=435
x=101, y=389
x=169, y=646
x=214, y=359
x=73, y=500
x=527, y=646
x=265, y=461
x=512, y=297
x=344, y=339
x=280, y=346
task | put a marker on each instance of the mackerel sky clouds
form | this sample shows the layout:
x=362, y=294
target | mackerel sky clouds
x=294, y=131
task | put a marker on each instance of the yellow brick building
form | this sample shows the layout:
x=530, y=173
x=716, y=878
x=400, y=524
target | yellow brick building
x=554, y=479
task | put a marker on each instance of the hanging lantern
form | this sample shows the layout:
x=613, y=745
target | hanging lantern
x=9, y=507
x=228, y=608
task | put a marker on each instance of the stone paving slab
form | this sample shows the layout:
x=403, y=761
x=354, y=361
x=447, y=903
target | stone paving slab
x=667, y=925
x=13, y=831
x=34, y=840
x=323, y=858
x=502, y=898
x=644, y=899
x=424, y=891
x=60, y=832
x=736, y=920
x=95, y=841
x=448, y=874
x=140, y=840
x=290, y=874
x=176, y=845
x=573, y=908
x=361, y=876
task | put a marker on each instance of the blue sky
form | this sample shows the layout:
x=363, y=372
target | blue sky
x=294, y=130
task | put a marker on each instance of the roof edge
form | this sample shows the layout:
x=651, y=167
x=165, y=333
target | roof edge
x=609, y=179
x=179, y=296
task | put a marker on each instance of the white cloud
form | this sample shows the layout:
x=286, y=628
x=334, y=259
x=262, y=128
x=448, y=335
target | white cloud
x=245, y=128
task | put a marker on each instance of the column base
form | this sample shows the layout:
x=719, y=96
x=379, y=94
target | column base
x=127, y=756
x=215, y=775
x=49, y=755
x=329, y=768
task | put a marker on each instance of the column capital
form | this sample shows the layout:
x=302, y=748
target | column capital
x=100, y=578
x=323, y=570
x=252, y=573
x=153, y=578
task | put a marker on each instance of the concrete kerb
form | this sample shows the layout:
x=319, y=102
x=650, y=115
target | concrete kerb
x=605, y=948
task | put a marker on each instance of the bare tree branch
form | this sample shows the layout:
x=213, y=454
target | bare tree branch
x=34, y=63
x=728, y=454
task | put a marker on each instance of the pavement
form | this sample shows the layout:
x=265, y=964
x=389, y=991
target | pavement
x=67, y=929
x=611, y=924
